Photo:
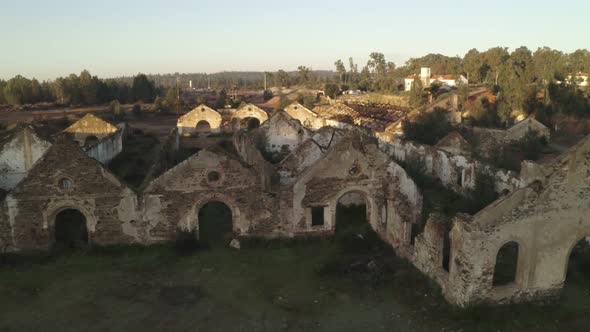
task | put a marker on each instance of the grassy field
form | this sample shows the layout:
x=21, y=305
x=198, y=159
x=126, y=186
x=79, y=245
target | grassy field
x=343, y=283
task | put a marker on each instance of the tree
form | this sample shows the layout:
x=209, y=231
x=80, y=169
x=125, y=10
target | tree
x=117, y=110
x=18, y=91
x=515, y=82
x=2, y=98
x=473, y=65
x=495, y=58
x=143, y=89
x=221, y=100
x=548, y=65
x=303, y=74
x=137, y=111
x=159, y=104
x=417, y=96
x=341, y=70
x=331, y=90
x=428, y=127
x=283, y=79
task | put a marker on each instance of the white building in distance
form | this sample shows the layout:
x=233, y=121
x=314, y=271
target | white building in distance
x=427, y=78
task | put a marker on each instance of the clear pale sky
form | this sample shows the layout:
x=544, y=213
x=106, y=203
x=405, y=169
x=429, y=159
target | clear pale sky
x=46, y=39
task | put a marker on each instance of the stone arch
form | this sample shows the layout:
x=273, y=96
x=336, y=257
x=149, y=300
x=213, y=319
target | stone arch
x=250, y=123
x=192, y=222
x=507, y=270
x=569, y=254
x=55, y=210
x=369, y=203
x=249, y=111
x=203, y=126
x=90, y=140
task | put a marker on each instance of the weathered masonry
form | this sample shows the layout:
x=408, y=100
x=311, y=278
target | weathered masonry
x=539, y=218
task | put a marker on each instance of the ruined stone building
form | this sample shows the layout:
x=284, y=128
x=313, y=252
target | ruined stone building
x=541, y=212
x=204, y=120
x=100, y=139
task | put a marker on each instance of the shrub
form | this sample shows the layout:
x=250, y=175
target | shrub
x=428, y=127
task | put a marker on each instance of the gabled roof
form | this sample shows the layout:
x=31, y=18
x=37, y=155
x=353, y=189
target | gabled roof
x=453, y=142
x=91, y=124
x=526, y=122
x=298, y=106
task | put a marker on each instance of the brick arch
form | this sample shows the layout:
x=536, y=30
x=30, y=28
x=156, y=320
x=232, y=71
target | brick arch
x=369, y=203
x=193, y=216
x=51, y=212
x=566, y=259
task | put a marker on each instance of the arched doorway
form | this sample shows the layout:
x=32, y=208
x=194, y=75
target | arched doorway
x=215, y=224
x=250, y=123
x=203, y=127
x=578, y=264
x=90, y=140
x=70, y=229
x=351, y=212
x=506, y=264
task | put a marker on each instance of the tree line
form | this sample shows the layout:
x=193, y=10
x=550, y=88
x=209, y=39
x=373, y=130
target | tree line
x=83, y=89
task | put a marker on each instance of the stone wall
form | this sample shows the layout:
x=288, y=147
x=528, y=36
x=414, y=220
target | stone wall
x=188, y=124
x=107, y=148
x=546, y=219
x=18, y=155
x=456, y=172
x=174, y=199
x=81, y=183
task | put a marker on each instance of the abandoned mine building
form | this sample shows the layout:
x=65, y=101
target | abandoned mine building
x=283, y=175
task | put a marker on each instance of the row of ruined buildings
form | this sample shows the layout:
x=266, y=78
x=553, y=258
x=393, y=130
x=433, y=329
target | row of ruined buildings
x=541, y=210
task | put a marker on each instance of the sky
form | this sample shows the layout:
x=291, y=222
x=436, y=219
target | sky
x=47, y=39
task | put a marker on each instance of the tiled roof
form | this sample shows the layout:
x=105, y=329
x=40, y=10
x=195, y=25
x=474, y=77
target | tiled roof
x=376, y=116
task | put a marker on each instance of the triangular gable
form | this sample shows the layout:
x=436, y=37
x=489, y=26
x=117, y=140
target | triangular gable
x=91, y=124
x=66, y=161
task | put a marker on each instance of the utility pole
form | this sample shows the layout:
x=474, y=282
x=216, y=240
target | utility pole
x=264, y=81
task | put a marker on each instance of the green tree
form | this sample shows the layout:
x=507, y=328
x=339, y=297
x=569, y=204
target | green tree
x=516, y=80
x=117, y=110
x=495, y=58
x=417, y=96
x=428, y=127
x=282, y=79
x=331, y=90
x=341, y=70
x=474, y=66
x=143, y=89
x=18, y=91
x=304, y=74
x=221, y=100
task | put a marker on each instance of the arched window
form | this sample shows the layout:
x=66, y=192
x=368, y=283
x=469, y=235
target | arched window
x=90, y=140
x=65, y=184
x=203, y=127
x=213, y=176
x=506, y=264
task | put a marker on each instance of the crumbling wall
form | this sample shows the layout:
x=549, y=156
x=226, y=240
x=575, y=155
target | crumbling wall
x=173, y=201
x=356, y=165
x=250, y=154
x=107, y=148
x=187, y=124
x=18, y=155
x=305, y=116
x=54, y=185
x=546, y=219
x=308, y=153
x=428, y=251
x=456, y=172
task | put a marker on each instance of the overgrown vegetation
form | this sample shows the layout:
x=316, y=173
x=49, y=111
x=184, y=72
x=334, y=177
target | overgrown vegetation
x=428, y=127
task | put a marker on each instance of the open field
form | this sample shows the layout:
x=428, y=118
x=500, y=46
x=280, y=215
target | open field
x=343, y=283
